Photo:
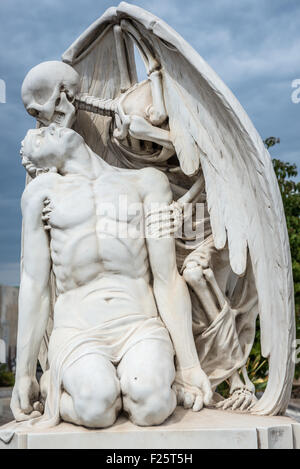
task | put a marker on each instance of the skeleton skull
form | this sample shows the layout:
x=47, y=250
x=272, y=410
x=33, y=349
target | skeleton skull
x=49, y=91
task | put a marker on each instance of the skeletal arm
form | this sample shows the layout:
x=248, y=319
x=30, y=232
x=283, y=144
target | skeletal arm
x=34, y=303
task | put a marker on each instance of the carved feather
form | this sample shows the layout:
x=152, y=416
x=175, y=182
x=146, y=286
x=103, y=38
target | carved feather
x=209, y=125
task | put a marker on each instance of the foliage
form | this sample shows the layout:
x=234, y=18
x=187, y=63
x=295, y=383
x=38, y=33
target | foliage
x=257, y=366
x=7, y=378
x=290, y=192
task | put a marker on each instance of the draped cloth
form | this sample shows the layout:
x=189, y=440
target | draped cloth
x=112, y=340
x=224, y=345
x=219, y=347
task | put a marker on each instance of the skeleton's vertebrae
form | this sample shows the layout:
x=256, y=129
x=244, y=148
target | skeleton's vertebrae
x=103, y=107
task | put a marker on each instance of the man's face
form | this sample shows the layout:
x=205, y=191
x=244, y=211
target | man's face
x=48, y=148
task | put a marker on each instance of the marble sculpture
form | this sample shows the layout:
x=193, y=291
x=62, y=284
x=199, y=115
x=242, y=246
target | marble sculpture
x=132, y=298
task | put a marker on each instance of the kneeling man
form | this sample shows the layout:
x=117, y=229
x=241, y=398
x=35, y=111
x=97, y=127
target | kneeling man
x=122, y=335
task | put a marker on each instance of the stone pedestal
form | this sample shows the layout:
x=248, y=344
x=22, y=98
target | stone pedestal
x=209, y=429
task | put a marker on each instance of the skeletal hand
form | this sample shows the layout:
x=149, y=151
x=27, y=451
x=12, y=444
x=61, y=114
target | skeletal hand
x=164, y=221
x=241, y=400
x=192, y=388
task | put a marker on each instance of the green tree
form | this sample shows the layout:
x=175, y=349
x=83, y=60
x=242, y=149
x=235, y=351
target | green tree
x=290, y=193
x=7, y=378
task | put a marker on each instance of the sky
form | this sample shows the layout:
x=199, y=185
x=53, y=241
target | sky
x=254, y=46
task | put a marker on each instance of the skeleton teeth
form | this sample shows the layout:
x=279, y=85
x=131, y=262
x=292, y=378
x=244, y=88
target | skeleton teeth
x=59, y=117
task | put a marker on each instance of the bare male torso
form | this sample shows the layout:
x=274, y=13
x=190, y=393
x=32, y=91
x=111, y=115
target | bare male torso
x=102, y=272
x=101, y=267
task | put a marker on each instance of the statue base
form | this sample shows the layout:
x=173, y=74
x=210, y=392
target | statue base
x=209, y=429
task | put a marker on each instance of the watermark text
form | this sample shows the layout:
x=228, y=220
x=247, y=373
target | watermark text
x=2, y=91
x=296, y=93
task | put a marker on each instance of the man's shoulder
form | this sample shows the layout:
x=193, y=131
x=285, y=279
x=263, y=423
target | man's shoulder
x=153, y=179
x=145, y=180
x=39, y=187
x=153, y=174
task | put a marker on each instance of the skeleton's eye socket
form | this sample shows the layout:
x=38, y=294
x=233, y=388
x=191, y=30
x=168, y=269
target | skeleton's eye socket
x=33, y=112
x=70, y=98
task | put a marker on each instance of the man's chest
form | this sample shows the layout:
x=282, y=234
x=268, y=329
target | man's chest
x=101, y=203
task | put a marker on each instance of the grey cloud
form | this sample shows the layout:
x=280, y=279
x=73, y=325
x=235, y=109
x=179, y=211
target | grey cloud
x=254, y=45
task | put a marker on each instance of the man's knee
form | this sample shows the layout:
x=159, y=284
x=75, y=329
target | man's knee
x=149, y=405
x=97, y=403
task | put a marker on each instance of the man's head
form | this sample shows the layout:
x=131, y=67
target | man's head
x=48, y=148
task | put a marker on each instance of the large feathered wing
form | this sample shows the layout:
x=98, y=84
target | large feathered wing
x=209, y=128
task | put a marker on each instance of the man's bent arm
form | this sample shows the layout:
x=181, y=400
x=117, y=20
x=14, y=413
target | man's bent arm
x=173, y=301
x=34, y=296
x=170, y=290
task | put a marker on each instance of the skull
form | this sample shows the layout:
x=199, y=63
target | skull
x=49, y=91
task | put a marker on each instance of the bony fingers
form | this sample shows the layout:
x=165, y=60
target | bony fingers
x=153, y=214
x=228, y=403
x=251, y=401
x=220, y=405
x=239, y=402
x=246, y=403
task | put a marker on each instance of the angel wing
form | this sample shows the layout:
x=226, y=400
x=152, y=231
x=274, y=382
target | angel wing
x=95, y=56
x=210, y=130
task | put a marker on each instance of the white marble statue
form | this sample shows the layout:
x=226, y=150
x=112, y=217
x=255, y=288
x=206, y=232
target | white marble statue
x=140, y=322
x=113, y=291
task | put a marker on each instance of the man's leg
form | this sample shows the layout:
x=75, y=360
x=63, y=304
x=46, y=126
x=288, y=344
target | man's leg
x=146, y=374
x=91, y=394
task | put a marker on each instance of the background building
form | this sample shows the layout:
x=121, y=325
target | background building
x=9, y=321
